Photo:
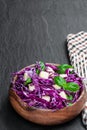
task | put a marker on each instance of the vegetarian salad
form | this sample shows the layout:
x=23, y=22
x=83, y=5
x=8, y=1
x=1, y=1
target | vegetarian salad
x=47, y=86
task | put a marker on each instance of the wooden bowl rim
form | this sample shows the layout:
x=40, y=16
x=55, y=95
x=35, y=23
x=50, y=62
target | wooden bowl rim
x=42, y=109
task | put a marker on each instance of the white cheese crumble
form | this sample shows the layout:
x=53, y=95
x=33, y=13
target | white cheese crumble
x=63, y=75
x=26, y=76
x=44, y=75
x=31, y=87
x=56, y=86
x=47, y=98
x=63, y=95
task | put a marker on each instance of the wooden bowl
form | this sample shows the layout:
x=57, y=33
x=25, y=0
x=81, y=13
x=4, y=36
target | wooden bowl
x=46, y=116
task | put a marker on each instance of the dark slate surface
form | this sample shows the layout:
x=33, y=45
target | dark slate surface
x=33, y=30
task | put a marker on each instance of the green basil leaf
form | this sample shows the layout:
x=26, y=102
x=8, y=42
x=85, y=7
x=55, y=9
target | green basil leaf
x=69, y=104
x=62, y=68
x=73, y=87
x=27, y=81
x=59, y=81
x=42, y=65
x=37, y=71
x=70, y=97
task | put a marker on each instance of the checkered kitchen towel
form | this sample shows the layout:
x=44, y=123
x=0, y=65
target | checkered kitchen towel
x=77, y=44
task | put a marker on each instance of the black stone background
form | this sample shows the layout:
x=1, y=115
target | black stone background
x=33, y=30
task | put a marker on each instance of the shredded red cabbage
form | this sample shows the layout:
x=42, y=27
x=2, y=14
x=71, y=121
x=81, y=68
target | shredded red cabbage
x=40, y=92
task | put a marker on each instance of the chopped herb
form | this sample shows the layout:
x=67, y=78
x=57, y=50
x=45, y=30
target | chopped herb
x=69, y=104
x=27, y=81
x=42, y=65
x=62, y=68
x=70, y=97
x=70, y=86
x=59, y=81
x=37, y=71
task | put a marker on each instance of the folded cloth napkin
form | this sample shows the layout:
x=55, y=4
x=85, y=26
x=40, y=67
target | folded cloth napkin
x=77, y=45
